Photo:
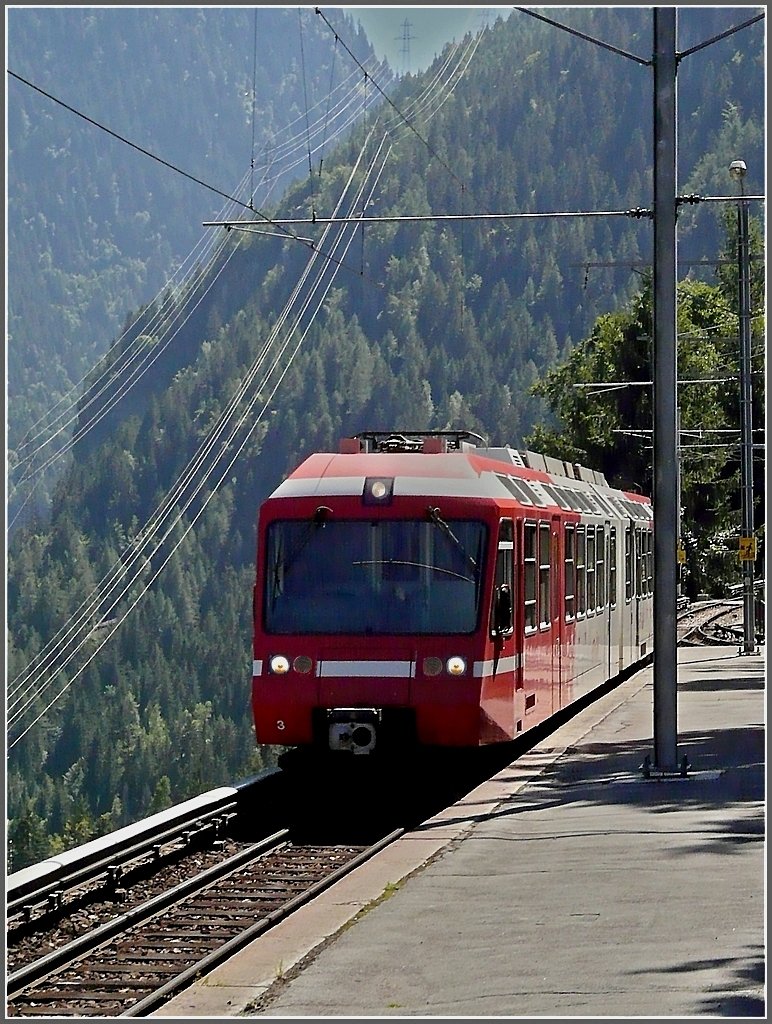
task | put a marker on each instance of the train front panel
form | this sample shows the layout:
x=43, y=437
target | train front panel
x=372, y=621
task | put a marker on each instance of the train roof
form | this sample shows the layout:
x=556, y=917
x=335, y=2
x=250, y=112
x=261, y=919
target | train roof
x=455, y=463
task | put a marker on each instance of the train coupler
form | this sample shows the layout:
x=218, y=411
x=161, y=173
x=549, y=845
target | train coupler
x=353, y=729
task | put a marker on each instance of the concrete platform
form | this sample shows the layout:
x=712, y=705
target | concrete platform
x=568, y=885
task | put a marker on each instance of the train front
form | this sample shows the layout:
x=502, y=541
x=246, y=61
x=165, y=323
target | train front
x=369, y=608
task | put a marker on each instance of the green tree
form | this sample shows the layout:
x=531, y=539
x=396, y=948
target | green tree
x=28, y=839
x=600, y=401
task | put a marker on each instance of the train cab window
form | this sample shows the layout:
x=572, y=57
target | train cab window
x=373, y=577
x=570, y=571
x=590, y=570
x=612, y=566
x=581, y=576
x=529, y=575
x=544, y=574
x=600, y=568
x=628, y=564
x=504, y=569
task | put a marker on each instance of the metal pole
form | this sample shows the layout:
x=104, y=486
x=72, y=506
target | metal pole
x=679, y=529
x=665, y=387
x=747, y=543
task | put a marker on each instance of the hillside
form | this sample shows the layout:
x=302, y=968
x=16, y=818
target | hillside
x=234, y=103
x=281, y=345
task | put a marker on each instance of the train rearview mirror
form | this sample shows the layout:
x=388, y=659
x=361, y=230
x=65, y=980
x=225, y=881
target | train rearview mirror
x=502, y=618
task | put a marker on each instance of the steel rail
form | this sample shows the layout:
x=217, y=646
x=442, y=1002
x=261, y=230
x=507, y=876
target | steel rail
x=40, y=969
x=232, y=946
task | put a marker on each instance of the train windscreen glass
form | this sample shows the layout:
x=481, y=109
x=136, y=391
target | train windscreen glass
x=360, y=577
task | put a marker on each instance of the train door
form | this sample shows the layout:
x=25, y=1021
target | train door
x=518, y=597
x=499, y=693
x=629, y=620
x=556, y=613
x=615, y=613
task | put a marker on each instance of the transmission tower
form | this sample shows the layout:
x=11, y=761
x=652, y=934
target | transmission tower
x=406, y=37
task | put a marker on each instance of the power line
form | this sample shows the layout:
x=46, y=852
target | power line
x=648, y=383
x=715, y=39
x=188, y=478
x=694, y=199
x=160, y=160
x=582, y=35
x=691, y=431
x=129, y=355
x=637, y=214
x=631, y=56
x=128, y=142
x=283, y=233
x=188, y=486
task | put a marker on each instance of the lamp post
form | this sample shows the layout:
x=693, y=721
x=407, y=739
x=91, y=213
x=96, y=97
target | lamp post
x=738, y=170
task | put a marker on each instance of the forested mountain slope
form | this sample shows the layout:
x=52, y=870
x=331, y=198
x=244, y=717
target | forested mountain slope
x=95, y=227
x=287, y=343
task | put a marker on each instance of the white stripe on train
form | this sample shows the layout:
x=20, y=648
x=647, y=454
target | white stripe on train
x=396, y=669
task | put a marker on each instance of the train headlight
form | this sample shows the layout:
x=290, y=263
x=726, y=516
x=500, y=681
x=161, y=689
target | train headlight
x=279, y=665
x=378, y=490
x=456, y=666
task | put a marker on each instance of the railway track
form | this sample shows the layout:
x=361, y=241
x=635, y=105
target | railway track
x=711, y=622
x=118, y=926
x=130, y=964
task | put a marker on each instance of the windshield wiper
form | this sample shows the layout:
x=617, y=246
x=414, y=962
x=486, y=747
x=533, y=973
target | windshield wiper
x=436, y=518
x=318, y=520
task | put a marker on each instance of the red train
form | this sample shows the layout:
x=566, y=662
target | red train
x=424, y=588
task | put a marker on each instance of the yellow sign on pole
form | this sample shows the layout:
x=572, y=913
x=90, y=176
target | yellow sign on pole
x=681, y=556
x=747, y=549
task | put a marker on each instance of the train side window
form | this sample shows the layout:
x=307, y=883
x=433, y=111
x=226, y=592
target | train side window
x=504, y=567
x=628, y=564
x=544, y=574
x=645, y=562
x=529, y=574
x=600, y=567
x=570, y=572
x=590, y=570
x=612, y=567
x=649, y=563
x=581, y=576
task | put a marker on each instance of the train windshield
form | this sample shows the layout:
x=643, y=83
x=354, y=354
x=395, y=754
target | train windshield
x=380, y=577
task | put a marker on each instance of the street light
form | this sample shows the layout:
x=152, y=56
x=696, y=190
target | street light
x=737, y=171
